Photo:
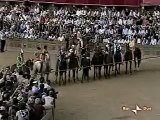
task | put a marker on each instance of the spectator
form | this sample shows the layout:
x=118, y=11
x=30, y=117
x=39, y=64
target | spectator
x=39, y=109
x=99, y=24
x=49, y=100
x=31, y=93
x=23, y=113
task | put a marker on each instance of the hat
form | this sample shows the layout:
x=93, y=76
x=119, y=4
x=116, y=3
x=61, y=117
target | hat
x=107, y=45
x=35, y=82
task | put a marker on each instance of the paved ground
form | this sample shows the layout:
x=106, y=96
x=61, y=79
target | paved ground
x=104, y=99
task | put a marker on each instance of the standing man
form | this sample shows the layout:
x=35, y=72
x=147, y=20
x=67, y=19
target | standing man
x=37, y=54
x=3, y=41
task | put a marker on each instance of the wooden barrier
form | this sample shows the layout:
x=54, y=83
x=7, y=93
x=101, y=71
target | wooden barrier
x=32, y=44
x=54, y=45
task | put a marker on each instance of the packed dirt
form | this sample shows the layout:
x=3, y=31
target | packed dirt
x=103, y=99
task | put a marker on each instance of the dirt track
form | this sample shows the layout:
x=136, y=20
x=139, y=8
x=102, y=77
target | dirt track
x=103, y=99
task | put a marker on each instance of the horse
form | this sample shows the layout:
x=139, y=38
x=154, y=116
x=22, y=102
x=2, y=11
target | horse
x=97, y=62
x=42, y=67
x=61, y=66
x=85, y=65
x=118, y=60
x=108, y=61
x=73, y=65
x=137, y=57
x=26, y=68
x=128, y=56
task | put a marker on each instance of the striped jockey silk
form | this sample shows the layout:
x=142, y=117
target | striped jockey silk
x=19, y=62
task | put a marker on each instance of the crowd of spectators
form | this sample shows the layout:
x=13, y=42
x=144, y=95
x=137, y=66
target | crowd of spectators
x=22, y=98
x=96, y=24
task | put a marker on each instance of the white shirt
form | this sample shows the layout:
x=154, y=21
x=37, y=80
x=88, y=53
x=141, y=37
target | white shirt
x=129, y=32
x=47, y=86
x=138, y=41
x=101, y=31
x=120, y=22
x=48, y=101
x=125, y=31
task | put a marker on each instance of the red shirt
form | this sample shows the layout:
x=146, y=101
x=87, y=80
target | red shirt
x=39, y=112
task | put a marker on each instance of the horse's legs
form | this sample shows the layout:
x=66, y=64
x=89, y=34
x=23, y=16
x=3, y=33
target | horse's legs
x=94, y=73
x=139, y=62
x=56, y=78
x=116, y=70
x=60, y=77
x=77, y=73
x=135, y=63
x=69, y=76
x=99, y=72
x=130, y=67
x=74, y=71
x=119, y=68
x=65, y=77
x=82, y=76
x=104, y=70
x=47, y=76
x=109, y=71
x=112, y=67
x=87, y=74
x=126, y=67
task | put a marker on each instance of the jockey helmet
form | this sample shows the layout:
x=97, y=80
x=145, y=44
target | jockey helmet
x=73, y=46
x=107, y=46
x=38, y=48
x=83, y=55
x=45, y=47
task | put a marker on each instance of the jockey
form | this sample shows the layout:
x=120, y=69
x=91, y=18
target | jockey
x=106, y=51
x=73, y=50
x=45, y=50
x=61, y=52
x=47, y=57
x=20, y=61
x=132, y=46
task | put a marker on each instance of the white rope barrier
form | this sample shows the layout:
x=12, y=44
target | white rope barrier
x=53, y=70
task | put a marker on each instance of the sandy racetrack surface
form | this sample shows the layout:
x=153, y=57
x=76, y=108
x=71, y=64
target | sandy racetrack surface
x=103, y=99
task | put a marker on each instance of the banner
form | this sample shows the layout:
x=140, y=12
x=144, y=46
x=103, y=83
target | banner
x=99, y=2
x=91, y=2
